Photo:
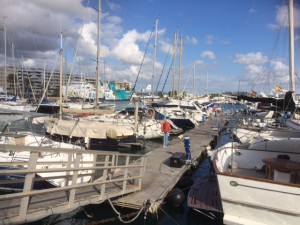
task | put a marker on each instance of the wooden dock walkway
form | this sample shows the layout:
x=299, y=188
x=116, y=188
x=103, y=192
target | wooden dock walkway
x=109, y=175
x=159, y=177
x=137, y=178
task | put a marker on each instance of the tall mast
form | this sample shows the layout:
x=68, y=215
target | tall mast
x=98, y=55
x=194, y=81
x=60, y=75
x=180, y=67
x=5, y=71
x=44, y=76
x=154, y=55
x=174, y=64
x=15, y=80
x=206, y=83
x=291, y=43
x=22, y=77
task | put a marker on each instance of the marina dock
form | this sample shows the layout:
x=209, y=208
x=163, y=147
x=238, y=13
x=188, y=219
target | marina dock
x=128, y=180
x=28, y=204
x=159, y=177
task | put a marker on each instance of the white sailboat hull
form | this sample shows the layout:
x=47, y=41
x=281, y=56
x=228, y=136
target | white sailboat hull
x=24, y=108
x=48, y=160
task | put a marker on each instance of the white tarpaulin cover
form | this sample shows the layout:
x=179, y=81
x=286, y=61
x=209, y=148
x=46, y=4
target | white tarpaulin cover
x=89, y=129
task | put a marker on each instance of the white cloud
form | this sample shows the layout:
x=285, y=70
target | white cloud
x=88, y=34
x=282, y=17
x=208, y=54
x=275, y=73
x=199, y=62
x=34, y=26
x=281, y=70
x=254, y=69
x=251, y=58
x=113, y=6
x=29, y=63
x=166, y=47
x=127, y=50
x=191, y=40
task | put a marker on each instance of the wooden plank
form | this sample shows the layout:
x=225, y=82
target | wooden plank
x=205, y=195
x=159, y=178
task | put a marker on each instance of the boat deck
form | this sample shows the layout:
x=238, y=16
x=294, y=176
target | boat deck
x=253, y=173
x=205, y=193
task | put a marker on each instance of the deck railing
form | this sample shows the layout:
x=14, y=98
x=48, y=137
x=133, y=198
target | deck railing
x=77, y=178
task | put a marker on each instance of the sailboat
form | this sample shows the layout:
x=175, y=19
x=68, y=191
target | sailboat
x=258, y=184
x=94, y=135
x=49, y=159
x=9, y=103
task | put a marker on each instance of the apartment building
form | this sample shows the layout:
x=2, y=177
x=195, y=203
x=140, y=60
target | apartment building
x=31, y=82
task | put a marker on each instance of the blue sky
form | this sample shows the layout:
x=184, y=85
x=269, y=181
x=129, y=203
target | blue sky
x=234, y=44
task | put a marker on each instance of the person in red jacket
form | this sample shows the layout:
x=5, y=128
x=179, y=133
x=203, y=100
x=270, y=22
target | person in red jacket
x=166, y=128
x=214, y=109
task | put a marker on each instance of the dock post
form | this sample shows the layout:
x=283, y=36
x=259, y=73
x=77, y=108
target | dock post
x=187, y=148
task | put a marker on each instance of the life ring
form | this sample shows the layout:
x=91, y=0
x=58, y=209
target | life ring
x=150, y=112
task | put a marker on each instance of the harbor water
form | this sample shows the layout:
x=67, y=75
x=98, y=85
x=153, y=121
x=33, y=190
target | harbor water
x=105, y=213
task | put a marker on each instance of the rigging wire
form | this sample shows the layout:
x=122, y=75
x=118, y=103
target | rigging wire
x=77, y=47
x=187, y=80
x=163, y=67
x=46, y=88
x=171, y=66
x=264, y=69
x=142, y=61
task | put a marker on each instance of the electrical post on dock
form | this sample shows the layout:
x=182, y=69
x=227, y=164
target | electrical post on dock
x=187, y=148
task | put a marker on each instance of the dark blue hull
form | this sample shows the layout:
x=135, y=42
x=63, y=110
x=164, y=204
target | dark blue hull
x=48, y=109
x=184, y=124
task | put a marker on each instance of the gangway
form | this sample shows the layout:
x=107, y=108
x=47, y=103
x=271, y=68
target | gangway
x=110, y=174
